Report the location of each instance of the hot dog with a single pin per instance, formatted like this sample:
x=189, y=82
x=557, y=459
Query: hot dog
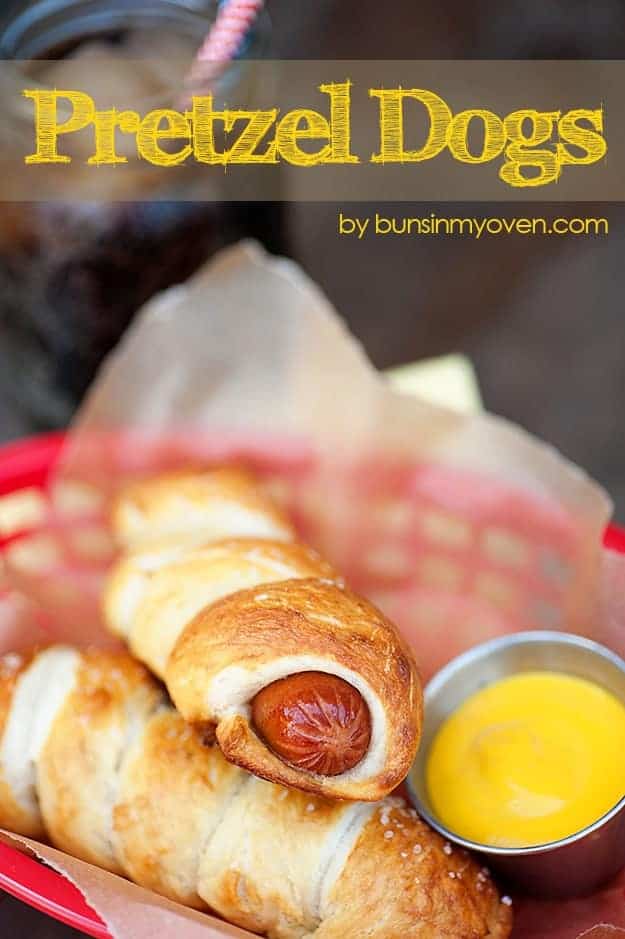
x=315, y=721
x=97, y=762
x=235, y=668
x=259, y=642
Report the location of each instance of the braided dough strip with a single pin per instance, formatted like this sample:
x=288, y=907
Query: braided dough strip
x=253, y=638
x=223, y=621
x=113, y=775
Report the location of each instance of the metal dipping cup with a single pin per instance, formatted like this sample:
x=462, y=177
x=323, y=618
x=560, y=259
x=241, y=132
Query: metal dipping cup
x=587, y=858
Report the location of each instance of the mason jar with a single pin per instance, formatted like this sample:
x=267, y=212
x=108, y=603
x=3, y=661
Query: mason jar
x=73, y=273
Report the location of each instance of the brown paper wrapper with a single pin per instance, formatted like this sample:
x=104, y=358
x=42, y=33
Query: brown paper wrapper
x=130, y=911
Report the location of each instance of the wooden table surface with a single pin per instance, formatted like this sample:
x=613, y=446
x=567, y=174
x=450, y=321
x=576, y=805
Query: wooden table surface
x=542, y=320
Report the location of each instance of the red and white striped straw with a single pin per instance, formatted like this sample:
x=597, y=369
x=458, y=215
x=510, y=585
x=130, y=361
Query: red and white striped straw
x=234, y=21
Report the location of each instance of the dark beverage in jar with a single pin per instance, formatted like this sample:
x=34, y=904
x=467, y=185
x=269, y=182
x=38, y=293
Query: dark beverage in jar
x=73, y=273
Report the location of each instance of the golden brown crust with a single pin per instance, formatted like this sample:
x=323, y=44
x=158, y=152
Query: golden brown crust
x=13, y=816
x=124, y=783
x=154, y=591
x=207, y=618
x=287, y=623
x=290, y=866
x=264, y=867
x=171, y=797
x=78, y=765
x=221, y=502
x=409, y=882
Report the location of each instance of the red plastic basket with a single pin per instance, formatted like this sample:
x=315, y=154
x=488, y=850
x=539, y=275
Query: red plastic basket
x=23, y=464
x=29, y=463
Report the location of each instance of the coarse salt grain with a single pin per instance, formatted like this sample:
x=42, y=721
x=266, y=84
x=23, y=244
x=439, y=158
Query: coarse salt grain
x=310, y=807
x=417, y=849
x=404, y=854
x=388, y=834
x=507, y=901
x=447, y=848
x=452, y=875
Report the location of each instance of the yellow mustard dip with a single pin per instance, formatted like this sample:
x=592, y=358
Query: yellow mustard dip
x=529, y=759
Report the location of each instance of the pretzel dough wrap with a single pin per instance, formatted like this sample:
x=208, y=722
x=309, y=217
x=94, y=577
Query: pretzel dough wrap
x=155, y=591
x=325, y=699
x=20, y=808
x=236, y=648
x=108, y=771
x=217, y=503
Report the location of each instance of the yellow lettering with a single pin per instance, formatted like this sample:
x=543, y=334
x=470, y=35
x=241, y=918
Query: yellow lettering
x=245, y=147
x=458, y=133
x=164, y=125
x=591, y=141
x=303, y=125
x=47, y=126
x=534, y=153
x=392, y=125
x=203, y=118
x=106, y=123
x=340, y=122
x=526, y=150
x=258, y=125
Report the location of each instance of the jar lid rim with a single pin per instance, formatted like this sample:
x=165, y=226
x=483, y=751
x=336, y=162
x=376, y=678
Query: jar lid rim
x=28, y=32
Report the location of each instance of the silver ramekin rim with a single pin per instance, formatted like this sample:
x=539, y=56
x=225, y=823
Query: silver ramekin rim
x=480, y=652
